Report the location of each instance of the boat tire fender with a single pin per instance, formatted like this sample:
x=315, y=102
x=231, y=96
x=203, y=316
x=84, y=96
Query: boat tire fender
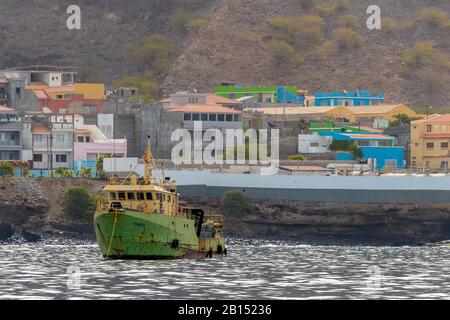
x=175, y=244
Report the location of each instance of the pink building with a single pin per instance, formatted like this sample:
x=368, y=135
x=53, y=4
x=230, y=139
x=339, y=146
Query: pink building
x=90, y=143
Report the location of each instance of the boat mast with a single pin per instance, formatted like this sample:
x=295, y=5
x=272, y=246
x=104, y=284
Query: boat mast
x=148, y=160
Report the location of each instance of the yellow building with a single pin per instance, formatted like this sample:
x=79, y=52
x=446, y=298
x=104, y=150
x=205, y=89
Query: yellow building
x=430, y=140
x=352, y=114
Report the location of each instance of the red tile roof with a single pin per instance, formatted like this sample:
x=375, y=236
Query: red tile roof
x=215, y=99
x=41, y=94
x=206, y=108
x=6, y=108
x=437, y=118
x=445, y=118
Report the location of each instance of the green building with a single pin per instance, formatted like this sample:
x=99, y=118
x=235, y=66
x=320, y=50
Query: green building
x=262, y=94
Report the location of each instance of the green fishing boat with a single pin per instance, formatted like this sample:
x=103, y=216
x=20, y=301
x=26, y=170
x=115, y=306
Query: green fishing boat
x=139, y=218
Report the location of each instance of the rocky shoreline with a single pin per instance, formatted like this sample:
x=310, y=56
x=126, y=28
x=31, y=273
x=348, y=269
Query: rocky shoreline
x=31, y=211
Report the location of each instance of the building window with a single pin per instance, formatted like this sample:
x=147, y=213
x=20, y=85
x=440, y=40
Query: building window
x=18, y=91
x=444, y=165
x=314, y=144
x=149, y=196
x=131, y=196
x=195, y=117
x=444, y=145
x=187, y=117
x=237, y=117
x=112, y=196
x=427, y=164
x=391, y=163
x=193, y=100
x=140, y=196
x=204, y=117
x=37, y=157
x=213, y=117
x=80, y=139
x=430, y=145
x=429, y=128
x=121, y=195
x=221, y=117
x=229, y=117
x=61, y=158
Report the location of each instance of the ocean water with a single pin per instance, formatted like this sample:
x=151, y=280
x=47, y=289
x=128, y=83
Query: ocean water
x=252, y=270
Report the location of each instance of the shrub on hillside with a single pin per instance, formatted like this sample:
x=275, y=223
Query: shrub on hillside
x=180, y=19
x=324, y=51
x=78, y=204
x=347, y=38
x=388, y=25
x=153, y=55
x=434, y=17
x=235, y=203
x=425, y=54
x=282, y=52
x=294, y=29
x=348, y=21
x=196, y=23
x=325, y=9
x=342, y=5
x=306, y=4
x=148, y=88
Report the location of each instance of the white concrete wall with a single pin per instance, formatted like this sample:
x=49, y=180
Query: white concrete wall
x=305, y=143
x=106, y=124
x=195, y=177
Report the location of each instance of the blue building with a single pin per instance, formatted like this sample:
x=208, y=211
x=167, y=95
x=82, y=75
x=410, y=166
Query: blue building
x=373, y=146
x=286, y=95
x=347, y=98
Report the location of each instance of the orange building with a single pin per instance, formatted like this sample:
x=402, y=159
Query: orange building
x=430, y=140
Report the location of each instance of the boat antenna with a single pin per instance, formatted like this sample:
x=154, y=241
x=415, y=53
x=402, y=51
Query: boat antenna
x=148, y=161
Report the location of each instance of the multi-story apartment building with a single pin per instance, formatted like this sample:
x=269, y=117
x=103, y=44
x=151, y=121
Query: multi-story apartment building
x=10, y=134
x=50, y=88
x=430, y=140
x=48, y=140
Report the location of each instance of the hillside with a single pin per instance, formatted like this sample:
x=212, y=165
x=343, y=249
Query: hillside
x=213, y=41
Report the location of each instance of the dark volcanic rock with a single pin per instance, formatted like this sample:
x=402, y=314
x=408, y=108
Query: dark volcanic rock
x=30, y=236
x=6, y=231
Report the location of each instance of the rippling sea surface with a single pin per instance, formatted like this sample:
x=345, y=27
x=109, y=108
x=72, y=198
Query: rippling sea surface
x=252, y=270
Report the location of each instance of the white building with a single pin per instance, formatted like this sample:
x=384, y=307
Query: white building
x=313, y=143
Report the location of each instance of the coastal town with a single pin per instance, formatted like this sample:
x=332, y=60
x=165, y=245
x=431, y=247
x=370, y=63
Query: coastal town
x=53, y=125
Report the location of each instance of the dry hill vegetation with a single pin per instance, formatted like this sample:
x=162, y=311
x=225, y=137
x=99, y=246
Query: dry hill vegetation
x=167, y=45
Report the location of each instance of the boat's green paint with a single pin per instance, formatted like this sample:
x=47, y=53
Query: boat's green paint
x=152, y=236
